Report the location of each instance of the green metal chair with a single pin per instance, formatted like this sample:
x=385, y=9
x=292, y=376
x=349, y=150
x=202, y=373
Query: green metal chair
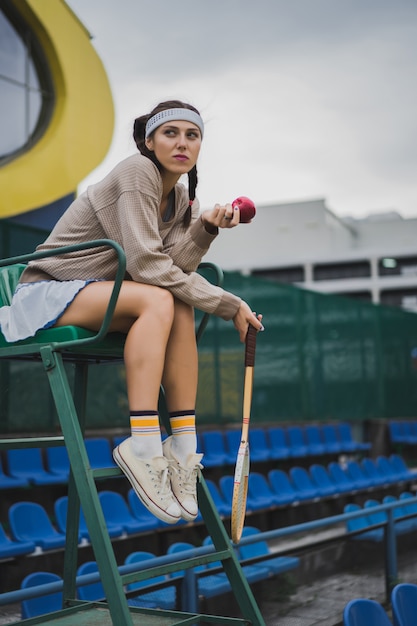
x=52, y=348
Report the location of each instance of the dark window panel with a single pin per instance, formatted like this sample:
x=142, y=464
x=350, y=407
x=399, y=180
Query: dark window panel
x=337, y=271
x=293, y=274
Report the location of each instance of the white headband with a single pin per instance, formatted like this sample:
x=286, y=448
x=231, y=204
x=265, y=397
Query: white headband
x=173, y=114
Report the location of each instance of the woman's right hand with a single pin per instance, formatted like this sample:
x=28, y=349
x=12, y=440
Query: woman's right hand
x=243, y=318
x=221, y=216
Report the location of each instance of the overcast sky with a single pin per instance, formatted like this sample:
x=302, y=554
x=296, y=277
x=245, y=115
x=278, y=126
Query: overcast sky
x=301, y=99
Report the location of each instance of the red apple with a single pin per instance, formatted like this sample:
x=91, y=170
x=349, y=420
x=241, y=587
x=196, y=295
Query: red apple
x=246, y=207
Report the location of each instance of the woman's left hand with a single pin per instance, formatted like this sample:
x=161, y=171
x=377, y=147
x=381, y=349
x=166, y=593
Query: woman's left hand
x=221, y=216
x=244, y=317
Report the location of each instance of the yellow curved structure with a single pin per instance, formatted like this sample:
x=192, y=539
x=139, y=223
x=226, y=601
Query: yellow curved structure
x=81, y=128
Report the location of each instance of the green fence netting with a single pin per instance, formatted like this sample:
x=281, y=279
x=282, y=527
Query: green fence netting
x=321, y=357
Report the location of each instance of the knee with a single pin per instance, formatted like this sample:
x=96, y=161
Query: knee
x=162, y=304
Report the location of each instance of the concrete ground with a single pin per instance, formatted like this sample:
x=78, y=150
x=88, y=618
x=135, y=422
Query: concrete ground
x=321, y=602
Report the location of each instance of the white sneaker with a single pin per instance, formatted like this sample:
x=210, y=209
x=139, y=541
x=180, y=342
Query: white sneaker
x=150, y=480
x=183, y=480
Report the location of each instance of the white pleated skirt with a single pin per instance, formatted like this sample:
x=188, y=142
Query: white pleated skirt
x=36, y=306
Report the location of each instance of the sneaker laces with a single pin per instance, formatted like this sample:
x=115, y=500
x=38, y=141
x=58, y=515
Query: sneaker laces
x=187, y=476
x=160, y=476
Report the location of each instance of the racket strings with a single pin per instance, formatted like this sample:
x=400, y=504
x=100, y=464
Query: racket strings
x=240, y=491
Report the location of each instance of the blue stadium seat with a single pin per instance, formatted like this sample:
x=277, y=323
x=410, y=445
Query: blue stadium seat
x=284, y=489
x=392, y=475
x=346, y=484
x=398, y=434
x=224, y=508
x=404, y=603
x=401, y=525
x=278, y=443
x=275, y=565
x=409, y=507
x=349, y=444
x=321, y=478
x=260, y=491
x=305, y=487
x=258, y=444
x=30, y=522
x=33, y=607
x=117, y=513
x=233, y=438
x=362, y=523
x=27, y=464
x=8, y=482
x=364, y=612
x=409, y=434
x=208, y=586
x=314, y=440
x=395, y=433
x=253, y=573
x=413, y=428
x=375, y=517
x=214, y=449
x=344, y=435
x=9, y=548
x=356, y=473
x=92, y=591
x=99, y=452
x=400, y=468
x=61, y=510
x=147, y=520
x=371, y=469
x=57, y=461
x=297, y=443
x=164, y=598
x=331, y=439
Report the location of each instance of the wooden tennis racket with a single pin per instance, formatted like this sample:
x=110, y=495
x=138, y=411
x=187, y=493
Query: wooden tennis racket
x=240, y=485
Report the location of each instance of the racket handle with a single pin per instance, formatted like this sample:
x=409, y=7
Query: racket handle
x=250, y=346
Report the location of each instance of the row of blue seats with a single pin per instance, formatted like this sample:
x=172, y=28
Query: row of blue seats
x=164, y=598
x=34, y=466
x=372, y=517
x=32, y=530
x=367, y=612
x=403, y=432
x=31, y=527
x=279, y=443
x=51, y=466
x=301, y=484
x=266, y=566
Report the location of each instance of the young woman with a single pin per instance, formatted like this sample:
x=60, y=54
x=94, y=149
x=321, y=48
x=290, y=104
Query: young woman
x=141, y=205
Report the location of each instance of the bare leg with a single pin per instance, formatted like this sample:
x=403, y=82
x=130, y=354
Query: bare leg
x=146, y=314
x=180, y=375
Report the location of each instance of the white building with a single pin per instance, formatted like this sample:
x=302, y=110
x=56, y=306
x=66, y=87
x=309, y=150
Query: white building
x=306, y=244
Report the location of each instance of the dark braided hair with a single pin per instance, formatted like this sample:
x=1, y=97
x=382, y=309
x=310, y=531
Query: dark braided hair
x=139, y=137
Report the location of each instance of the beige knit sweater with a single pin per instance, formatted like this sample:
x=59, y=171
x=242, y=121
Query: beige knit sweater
x=124, y=207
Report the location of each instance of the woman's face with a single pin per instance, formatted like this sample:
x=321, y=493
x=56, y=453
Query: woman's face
x=176, y=145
